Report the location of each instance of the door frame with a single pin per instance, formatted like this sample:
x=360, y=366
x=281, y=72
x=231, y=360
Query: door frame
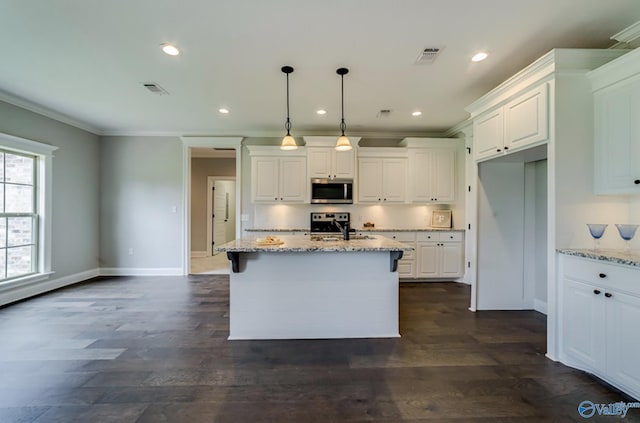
x=208, y=142
x=210, y=182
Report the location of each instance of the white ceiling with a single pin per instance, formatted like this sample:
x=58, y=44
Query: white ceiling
x=86, y=60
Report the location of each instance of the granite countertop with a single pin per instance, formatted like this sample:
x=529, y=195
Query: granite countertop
x=357, y=229
x=613, y=256
x=301, y=244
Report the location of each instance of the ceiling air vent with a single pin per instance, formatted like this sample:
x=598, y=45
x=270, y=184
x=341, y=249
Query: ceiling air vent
x=155, y=88
x=384, y=113
x=428, y=55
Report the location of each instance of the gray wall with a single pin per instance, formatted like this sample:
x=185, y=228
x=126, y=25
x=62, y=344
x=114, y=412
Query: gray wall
x=75, y=236
x=201, y=168
x=141, y=202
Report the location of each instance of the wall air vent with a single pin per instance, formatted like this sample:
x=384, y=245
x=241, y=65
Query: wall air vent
x=428, y=55
x=155, y=88
x=384, y=113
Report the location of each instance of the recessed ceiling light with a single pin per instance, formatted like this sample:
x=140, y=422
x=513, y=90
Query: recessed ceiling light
x=321, y=112
x=170, y=49
x=479, y=57
x=223, y=110
x=416, y=113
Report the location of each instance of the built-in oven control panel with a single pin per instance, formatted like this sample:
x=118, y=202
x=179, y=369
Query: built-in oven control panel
x=323, y=221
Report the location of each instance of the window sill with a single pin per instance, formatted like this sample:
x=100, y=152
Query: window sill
x=24, y=281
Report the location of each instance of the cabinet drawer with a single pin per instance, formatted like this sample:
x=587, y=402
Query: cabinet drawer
x=439, y=236
x=601, y=273
x=409, y=255
x=405, y=268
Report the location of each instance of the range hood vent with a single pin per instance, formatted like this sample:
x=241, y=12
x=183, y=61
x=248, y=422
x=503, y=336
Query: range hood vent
x=155, y=88
x=428, y=55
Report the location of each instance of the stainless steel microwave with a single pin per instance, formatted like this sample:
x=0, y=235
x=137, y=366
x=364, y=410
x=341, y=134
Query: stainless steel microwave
x=331, y=191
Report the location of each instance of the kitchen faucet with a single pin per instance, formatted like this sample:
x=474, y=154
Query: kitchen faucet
x=343, y=228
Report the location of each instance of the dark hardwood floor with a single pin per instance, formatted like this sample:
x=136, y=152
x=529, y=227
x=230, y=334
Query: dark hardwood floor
x=155, y=350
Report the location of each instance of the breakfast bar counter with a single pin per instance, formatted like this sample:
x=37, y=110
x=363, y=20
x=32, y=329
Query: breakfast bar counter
x=305, y=288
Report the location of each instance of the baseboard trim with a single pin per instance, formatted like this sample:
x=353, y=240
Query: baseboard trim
x=138, y=271
x=540, y=306
x=199, y=254
x=21, y=292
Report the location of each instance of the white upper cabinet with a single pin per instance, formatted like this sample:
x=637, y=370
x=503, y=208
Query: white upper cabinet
x=382, y=175
x=617, y=125
x=526, y=119
x=432, y=173
x=278, y=177
x=520, y=123
x=326, y=162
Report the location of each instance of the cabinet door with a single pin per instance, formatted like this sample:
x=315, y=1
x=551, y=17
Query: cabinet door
x=319, y=161
x=265, y=181
x=427, y=256
x=421, y=169
x=617, y=139
x=525, y=119
x=583, y=323
x=451, y=259
x=488, y=134
x=622, y=341
x=369, y=180
x=394, y=180
x=343, y=164
x=443, y=177
x=293, y=181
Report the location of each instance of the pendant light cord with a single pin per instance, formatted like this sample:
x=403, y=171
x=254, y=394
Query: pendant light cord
x=287, y=125
x=343, y=125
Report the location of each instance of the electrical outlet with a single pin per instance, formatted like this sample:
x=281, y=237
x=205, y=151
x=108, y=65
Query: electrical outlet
x=130, y=251
x=244, y=217
x=174, y=209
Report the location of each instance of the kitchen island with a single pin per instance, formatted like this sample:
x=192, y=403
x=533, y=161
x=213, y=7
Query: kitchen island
x=306, y=288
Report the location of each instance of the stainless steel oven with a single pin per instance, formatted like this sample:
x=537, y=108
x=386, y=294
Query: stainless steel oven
x=331, y=191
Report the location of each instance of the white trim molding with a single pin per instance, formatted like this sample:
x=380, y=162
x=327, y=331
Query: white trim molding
x=540, y=306
x=17, y=291
x=139, y=271
x=199, y=254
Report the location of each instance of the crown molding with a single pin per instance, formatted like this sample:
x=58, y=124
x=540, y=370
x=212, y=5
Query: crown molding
x=629, y=34
x=47, y=112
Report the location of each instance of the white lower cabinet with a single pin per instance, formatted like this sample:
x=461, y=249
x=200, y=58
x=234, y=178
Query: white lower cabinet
x=439, y=254
x=600, y=308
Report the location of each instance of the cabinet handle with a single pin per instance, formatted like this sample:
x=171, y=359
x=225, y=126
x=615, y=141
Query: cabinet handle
x=608, y=294
x=379, y=199
x=280, y=198
x=596, y=291
x=498, y=150
x=275, y=198
x=637, y=182
x=602, y=275
x=506, y=148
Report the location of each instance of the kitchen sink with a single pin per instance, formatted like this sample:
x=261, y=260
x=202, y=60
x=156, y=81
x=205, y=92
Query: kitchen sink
x=329, y=238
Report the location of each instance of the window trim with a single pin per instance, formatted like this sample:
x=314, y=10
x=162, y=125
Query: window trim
x=44, y=188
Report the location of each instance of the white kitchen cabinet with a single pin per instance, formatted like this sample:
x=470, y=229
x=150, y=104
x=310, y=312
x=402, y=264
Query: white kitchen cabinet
x=326, y=162
x=600, y=308
x=617, y=127
x=382, y=180
x=439, y=254
x=518, y=124
x=432, y=174
x=278, y=179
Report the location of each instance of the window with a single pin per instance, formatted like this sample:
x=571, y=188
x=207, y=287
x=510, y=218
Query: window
x=18, y=215
x=25, y=211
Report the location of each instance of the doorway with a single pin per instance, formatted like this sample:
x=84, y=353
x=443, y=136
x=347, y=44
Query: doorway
x=212, y=213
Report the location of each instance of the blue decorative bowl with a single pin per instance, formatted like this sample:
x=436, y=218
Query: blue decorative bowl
x=596, y=229
x=627, y=231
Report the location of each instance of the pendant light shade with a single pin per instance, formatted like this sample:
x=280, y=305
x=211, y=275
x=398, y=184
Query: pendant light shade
x=343, y=143
x=288, y=143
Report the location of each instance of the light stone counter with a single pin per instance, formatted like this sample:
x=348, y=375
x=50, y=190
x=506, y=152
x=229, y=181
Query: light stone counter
x=306, y=230
x=304, y=244
x=612, y=256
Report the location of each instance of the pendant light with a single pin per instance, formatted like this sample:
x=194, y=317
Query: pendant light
x=343, y=143
x=288, y=143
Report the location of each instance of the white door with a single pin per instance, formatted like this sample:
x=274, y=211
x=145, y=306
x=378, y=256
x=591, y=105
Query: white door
x=394, y=174
x=220, y=212
x=488, y=134
x=428, y=259
x=369, y=180
x=451, y=262
x=293, y=179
